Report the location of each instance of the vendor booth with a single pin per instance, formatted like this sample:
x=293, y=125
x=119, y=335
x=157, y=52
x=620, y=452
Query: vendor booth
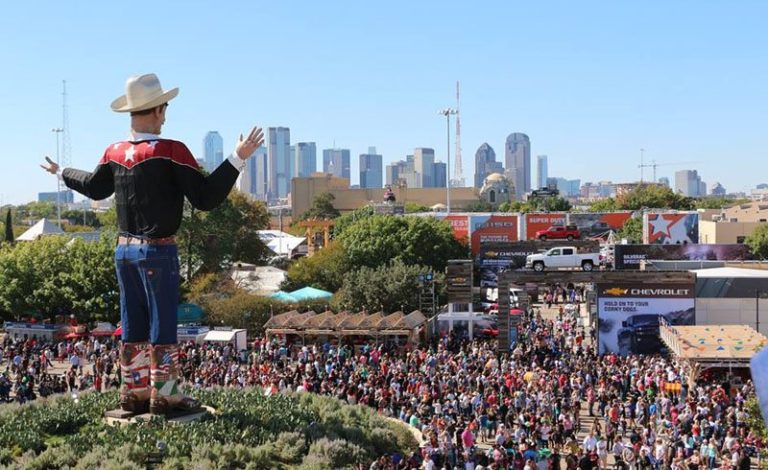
x=41, y=331
x=356, y=328
x=730, y=346
x=237, y=337
x=195, y=334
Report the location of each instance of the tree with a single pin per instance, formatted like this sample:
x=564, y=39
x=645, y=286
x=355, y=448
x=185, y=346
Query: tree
x=411, y=207
x=389, y=287
x=604, y=205
x=87, y=218
x=212, y=241
x=516, y=206
x=758, y=241
x=379, y=239
x=36, y=210
x=346, y=220
x=632, y=229
x=552, y=204
x=58, y=276
x=8, y=227
x=108, y=218
x=323, y=270
x=322, y=208
x=653, y=197
x=479, y=206
x=717, y=202
x=240, y=310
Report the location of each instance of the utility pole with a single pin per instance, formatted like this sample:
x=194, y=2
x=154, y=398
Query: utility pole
x=642, y=164
x=447, y=112
x=457, y=167
x=57, y=131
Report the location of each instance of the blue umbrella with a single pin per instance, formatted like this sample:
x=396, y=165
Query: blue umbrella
x=283, y=297
x=310, y=293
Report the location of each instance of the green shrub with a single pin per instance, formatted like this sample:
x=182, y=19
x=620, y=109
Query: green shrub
x=333, y=454
x=249, y=430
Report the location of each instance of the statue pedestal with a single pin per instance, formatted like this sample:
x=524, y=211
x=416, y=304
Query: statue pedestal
x=119, y=416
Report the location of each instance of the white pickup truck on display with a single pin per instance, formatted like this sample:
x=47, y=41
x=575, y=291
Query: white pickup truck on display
x=563, y=257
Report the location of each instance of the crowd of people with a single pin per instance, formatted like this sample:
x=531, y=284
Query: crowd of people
x=32, y=367
x=552, y=403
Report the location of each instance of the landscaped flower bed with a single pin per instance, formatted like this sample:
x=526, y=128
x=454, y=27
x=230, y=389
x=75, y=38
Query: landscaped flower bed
x=248, y=430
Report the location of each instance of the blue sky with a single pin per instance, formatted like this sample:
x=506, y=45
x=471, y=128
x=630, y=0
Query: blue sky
x=590, y=82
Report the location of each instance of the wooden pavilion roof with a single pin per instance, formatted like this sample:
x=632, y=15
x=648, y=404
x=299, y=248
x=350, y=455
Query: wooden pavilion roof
x=345, y=321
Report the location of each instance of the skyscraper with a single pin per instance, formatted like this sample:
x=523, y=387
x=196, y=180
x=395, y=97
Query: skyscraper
x=439, y=175
x=337, y=162
x=259, y=170
x=517, y=161
x=279, y=162
x=248, y=182
x=306, y=159
x=485, y=164
x=394, y=171
x=370, y=169
x=688, y=183
x=424, y=167
x=541, y=172
x=213, y=150
x=718, y=190
x=567, y=188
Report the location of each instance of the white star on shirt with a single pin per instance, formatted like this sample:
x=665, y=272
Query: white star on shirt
x=152, y=144
x=116, y=146
x=660, y=226
x=129, y=154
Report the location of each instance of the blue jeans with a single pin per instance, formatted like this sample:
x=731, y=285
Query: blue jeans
x=148, y=276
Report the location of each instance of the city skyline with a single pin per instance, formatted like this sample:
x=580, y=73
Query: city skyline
x=301, y=161
x=589, y=94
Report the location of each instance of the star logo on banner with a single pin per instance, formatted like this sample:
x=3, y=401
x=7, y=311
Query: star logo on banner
x=660, y=226
x=129, y=154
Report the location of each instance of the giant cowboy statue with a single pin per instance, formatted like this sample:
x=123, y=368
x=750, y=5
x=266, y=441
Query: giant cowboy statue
x=150, y=177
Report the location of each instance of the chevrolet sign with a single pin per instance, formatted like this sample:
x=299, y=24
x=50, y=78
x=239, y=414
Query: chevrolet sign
x=661, y=292
x=655, y=290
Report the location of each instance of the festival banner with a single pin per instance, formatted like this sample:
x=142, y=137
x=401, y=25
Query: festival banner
x=598, y=224
x=671, y=229
x=542, y=221
x=494, y=258
x=460, y=226
x=492, y=228
x=631, y=256
x=629, y=314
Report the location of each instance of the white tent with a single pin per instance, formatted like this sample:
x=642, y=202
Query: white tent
x=281, y=243
x=42, y=227
x=235, y=336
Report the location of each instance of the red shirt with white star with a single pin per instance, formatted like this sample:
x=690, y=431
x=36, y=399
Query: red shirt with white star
x=150, y=178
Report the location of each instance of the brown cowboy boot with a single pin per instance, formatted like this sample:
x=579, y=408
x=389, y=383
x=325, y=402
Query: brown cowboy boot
x=134, y=370
x=165, y=395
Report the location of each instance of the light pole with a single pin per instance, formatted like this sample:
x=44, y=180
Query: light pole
x=57, y=131
x=447, y=113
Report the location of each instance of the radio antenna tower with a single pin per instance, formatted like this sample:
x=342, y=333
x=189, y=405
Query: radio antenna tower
x=66, y=144
x=458, y=176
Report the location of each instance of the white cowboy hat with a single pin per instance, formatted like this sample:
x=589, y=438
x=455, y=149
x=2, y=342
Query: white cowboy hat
x=143, y=92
